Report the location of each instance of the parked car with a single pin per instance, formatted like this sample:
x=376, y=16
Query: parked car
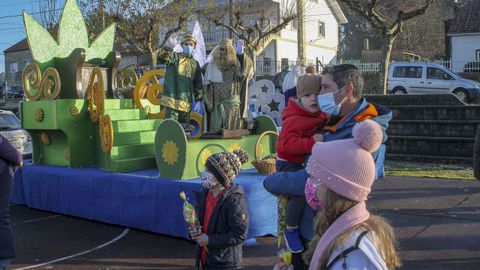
x=13, y=92
x=11, y=129
x=429, y=78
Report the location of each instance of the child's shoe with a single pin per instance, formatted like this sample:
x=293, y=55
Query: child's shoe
x=293, y=241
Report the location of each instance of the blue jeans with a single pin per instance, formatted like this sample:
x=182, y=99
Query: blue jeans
x=4, y=263
x=295, y=204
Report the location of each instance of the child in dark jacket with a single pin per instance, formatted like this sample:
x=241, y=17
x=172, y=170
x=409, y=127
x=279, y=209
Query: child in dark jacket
x=301, y=119
x=222, y=210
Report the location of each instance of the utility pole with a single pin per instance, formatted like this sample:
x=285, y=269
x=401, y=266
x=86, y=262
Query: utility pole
x=301, y=34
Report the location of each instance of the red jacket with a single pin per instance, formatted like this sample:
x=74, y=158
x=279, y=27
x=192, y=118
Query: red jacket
x=298, y=127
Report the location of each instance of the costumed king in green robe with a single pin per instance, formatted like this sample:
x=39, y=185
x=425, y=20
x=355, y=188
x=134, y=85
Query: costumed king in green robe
x=183, y=80
x=226, y=86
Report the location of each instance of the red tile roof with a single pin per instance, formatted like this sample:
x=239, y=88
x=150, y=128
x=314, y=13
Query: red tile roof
x=466, y=18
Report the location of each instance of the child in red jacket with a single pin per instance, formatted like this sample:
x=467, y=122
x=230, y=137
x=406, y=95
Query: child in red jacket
x=301, y=119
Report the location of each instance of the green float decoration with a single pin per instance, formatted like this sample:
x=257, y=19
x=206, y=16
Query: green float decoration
x=71, y=57
x=179, y=158
x=75, y=120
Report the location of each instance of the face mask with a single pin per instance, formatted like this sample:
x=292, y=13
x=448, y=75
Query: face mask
x=326, y=102
x=311, y=196
x=188, y=50
x=208, y=180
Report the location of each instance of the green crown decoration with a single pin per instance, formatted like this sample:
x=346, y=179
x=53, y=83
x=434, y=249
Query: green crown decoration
x=68, y=56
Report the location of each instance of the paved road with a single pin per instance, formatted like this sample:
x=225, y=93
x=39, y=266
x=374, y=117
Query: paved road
x=437, y=224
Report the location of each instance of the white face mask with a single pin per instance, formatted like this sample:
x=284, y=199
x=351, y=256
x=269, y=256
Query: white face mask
x=326, y=102
x=208, y=180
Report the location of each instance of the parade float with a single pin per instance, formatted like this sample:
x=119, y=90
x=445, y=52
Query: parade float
x=102, y=149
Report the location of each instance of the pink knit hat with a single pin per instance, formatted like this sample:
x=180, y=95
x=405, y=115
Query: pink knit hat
x=347, y=166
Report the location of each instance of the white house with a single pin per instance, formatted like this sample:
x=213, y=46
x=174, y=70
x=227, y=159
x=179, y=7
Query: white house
x=464, y=33
x=322, y=20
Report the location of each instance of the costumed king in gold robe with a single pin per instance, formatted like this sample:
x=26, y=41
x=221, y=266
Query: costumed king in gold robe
x=226, y=86
x=183, y=80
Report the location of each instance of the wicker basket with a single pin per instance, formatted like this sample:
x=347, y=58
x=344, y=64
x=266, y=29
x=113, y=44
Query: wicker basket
x=265, y=165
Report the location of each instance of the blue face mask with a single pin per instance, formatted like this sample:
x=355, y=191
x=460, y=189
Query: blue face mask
x=188, y=50
x=326, y=102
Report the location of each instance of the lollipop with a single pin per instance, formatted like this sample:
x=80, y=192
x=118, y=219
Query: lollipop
x=189, y=213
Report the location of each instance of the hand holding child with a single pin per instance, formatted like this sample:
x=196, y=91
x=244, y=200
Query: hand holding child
x=318, y=137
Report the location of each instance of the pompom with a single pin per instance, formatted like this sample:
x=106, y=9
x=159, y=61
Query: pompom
x=241, y=154
x=368, y=135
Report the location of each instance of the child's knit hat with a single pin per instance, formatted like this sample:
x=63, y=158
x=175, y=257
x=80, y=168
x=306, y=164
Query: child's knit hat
x=226, y=165
x=347, y=166
x=308, y=84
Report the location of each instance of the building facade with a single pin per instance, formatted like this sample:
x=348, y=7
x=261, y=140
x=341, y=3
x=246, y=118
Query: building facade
x=17, y=58
x=464, y=35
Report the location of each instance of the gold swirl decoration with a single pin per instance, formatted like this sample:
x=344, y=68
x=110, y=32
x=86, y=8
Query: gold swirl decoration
x=95, y=94
x=34, y=84
x=126, y=81
x=106, y=133
x=148, y=85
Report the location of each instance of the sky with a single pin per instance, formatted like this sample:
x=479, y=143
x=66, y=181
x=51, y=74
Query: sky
x=11, y=23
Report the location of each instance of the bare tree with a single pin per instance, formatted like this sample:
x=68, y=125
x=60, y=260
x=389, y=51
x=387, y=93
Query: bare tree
x=425, y=35
x=49, y=14
x=388, y=17
x=139, y=21
x=254, y=21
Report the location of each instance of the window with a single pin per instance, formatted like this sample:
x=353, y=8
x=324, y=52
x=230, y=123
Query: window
x=321, y=29
x=437, y=74
x=477, y=55
x=407, y=72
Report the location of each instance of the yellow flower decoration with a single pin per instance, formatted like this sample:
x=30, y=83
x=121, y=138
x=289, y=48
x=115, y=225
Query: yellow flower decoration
x=234, y=146
x=206, y=153
x=170, y=152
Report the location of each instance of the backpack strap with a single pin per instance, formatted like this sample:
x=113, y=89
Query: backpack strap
x=343, y=254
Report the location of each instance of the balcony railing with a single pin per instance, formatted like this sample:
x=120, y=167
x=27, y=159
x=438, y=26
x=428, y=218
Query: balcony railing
x=214, y=36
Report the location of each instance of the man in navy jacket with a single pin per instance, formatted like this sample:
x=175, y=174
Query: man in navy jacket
x=346, y=108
